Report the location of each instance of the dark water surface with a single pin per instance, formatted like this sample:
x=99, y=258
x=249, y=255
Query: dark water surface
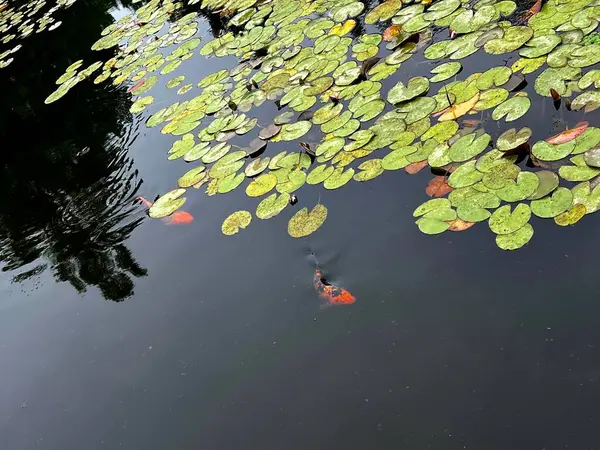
x=217, y=342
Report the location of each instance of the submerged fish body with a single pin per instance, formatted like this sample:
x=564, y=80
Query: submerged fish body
x=333, y=295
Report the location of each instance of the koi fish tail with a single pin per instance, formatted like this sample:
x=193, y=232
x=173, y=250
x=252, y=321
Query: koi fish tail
x=146, y=203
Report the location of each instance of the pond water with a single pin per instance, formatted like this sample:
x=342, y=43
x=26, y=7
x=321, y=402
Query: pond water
x=121, y=331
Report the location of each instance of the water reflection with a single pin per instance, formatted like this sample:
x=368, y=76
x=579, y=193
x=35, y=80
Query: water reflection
x=67, y=183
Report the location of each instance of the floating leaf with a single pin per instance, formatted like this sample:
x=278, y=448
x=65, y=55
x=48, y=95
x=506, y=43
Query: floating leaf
x=460, y=109
x=191, y=177
x=568, y=135
x=233, y=223
x=438, y=187
x=515, y=240
x=548, y=152
x=401, y=93
x=292, y=131
x=319, y=174
x=460, y=225
x=415, y=167
x=512, y=138
x=468, y=146
x=525, y=185
x=261, y=185
x=272, y=205
x=432, y=226
x=503, y=221
x=304, y=223
x=465, y=175
x=547, y=182
x=369, y=170
x=571, y=216
x=338, y=178
x=557, y=203
x=445, y=71
x=512, y=109
x=167, y=204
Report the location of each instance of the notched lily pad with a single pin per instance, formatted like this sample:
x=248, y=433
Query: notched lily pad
x=304, y=223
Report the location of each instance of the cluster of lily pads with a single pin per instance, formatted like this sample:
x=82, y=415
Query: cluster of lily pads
x=301, y=55
x=17, y=23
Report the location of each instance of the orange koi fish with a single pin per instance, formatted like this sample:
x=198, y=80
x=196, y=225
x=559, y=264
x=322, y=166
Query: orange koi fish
x=334, y=295
x=177, y=218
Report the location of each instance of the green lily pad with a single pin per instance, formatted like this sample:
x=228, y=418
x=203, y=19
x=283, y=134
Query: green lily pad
x=472, y=213
x=586, y=141
x=441, y=131
x=512, y=109
x=514, y=37
x=236, y=221
x=319, y=174
x=557, y=79
x=557, y=203
x=304, y=223
x=540, y=45
x=272, y=205
x=547, y=182
x=465, y=175
x=578, y=173
x=192, y=177
x=589, y=100
x=292, y=131
x=400, y=93
x=551, y=152
x=515, y=240
x=261, y=185
x=230, y=182
x=432, y=205
x=338, y=178
x=503, y=221
x=295, y=179
x=216, y=153
x=167, y=204
x=500, y=174
x=494, y=77
x=445, y=71
x=512, y=138
x=468, y=146
x=432, y=226
x=525, y=185
x=584, y=195
x=369, y=170
x=257, y=166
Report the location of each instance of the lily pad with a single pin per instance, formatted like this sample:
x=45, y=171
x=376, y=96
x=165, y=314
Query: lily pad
x=400, y=93
x=512, y=109
x=445, y=71
x=261, y=185
x=338, y=178
x=236, y=221
x=272, y=205
x=465, y=175
x=512, y=138
x=304, y=223
x=557, y=203
x=525, y=185
x=167, y=204
x=503, y=221
x=573, y=215
x=515, y=240
x=547, y=182
x=468, y=146
x=292, y=131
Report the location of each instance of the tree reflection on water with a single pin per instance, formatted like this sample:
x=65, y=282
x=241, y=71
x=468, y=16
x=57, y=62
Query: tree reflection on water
x=67, y=183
